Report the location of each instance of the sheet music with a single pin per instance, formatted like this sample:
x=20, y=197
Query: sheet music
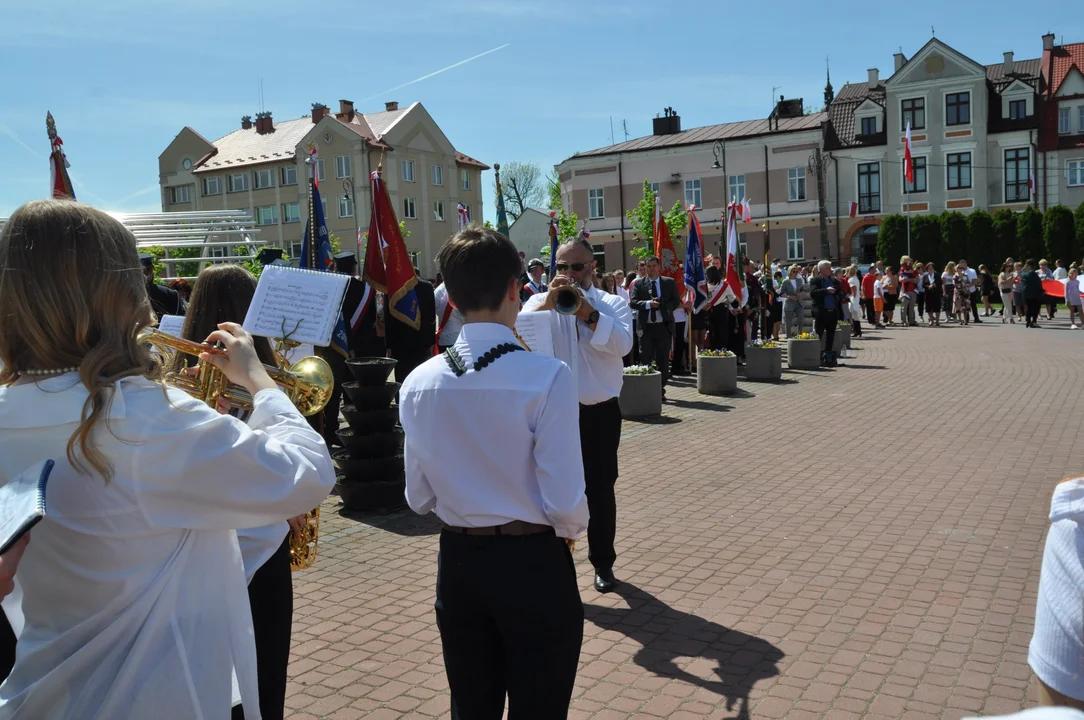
x=171, y=324
x=536, y=330
x=306, y=303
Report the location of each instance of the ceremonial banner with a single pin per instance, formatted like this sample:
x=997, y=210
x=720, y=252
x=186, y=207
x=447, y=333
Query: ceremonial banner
x=908, y=165
x=387, y=263
x=735, y=275
x=553, y=245
x=664, y=250
x=502, y=217
x=694, y=264
x=59, y=183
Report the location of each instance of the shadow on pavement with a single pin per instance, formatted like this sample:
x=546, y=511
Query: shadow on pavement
x=666, y=634
x=401, y=520
x=653, y=420
x=704, y=405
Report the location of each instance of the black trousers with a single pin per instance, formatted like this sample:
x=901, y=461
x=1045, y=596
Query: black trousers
x=871, y=314
x=7, y=647
x=407, y=360
x=976, y=298
x=920, y=301
x=681, y=346
x=511, y=622
x=330, y=413
x=1031, y=309
x=271, y=598
x=600, y=436
x=655, y=344
x=824, y=324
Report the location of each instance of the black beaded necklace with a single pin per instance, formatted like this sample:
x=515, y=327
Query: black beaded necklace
x=455, y=362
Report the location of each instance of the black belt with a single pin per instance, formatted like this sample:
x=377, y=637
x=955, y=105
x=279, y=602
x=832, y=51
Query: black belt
x=514, y=528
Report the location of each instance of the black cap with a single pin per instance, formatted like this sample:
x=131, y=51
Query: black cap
x=535, y=263
x=344, y=256
x=269, y=255
x=146, y=259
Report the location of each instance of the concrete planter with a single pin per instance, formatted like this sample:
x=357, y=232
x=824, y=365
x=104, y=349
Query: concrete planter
x=844, y=331
x=763, y=363
x=803, y=354
x=641, y=395
x=716, y=375
x=839, y=339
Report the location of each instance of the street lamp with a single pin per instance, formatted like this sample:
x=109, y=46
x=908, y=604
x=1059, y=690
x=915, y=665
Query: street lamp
x=348, y=186
x=718, y=149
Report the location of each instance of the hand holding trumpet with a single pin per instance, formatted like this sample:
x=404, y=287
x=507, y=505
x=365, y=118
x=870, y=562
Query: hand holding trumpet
x=557, y=299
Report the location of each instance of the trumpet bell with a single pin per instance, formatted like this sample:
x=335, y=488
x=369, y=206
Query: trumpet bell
x=567, y=300
x=314, y=383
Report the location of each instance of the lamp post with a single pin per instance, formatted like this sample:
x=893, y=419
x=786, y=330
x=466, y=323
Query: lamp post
x=718, y=149
x=348, y=186
x=817, y=165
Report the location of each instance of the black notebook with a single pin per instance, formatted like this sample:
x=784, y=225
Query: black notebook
x=22, y=503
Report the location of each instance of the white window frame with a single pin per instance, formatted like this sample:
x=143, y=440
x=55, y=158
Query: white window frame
x=179, y=194
x=795, y=241
x=1080, y=119
x=436, y=175
x=596, y=203
x=258, y=177
x=262, y=219
x=796, y=189
x=736, y=188
x=743, y=246
x=410, y=208
x=694, y=193
x=342, y=167
x=295, y=250
x=288, y=175
x=438, y=211
x=286, y=207
x=207, y=185
x=1013, y=101
x=656, y=188
x=217, y=252
x=232, y=184
x=406, y=171
x=319, y=169
x=1065, y=123
x=1074, y=173
x=464, y=179
x=346, y=206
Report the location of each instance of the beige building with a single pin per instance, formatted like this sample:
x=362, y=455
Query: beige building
x=260, y=167
x=1062, y=135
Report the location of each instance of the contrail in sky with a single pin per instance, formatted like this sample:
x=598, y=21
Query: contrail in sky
x=438, y=72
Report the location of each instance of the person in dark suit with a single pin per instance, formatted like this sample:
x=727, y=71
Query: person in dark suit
x=408, y=346
x=164, y=300
x=655, y=298
x=827, y=299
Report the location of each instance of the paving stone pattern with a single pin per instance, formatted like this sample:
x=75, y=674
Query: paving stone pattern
x=863, y=542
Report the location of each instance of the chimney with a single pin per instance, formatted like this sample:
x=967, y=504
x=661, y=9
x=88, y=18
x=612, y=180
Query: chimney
x=874, y=77
x=319, y=110
x=1007, y=68
x=1048, y=42
x=668, y=124
x=264, y=124
x=898, y=61
x=391, y=106
x=246, y=122
x=346, y=107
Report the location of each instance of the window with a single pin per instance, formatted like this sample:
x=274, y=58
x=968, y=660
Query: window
x=1064, y=127
x=692, y=192
x=959, y=170
x=407, y=170
x=1017, y=164
x=415, y=258
x=291, y=212
x=1080, y=120
x=323, y=207
x=796, y=184
x=599, y=253
x=319, y=169
x=737, y=187
x=217, y=252
x=958, y=108
x=436, y=172
x=438, y=210
x=918, y=164
x=295, y=250
x=346, y=206
x=464, y=179
x=267, y=215
x=1018, y=109
x=263, y=179
x=342, y=166
x=179, y=194
x=288, y=175
x=212, y=186
x=743, y=245
x=869, y=125
x=869, y=188
x=596, y=206
x=238, y=182
x=410, y=208
x=1076, y=172
x=656, y=188
x=913, y=111
x=795, y=244
x=470, y=214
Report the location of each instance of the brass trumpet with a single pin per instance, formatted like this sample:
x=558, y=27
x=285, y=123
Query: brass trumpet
x=567, y=300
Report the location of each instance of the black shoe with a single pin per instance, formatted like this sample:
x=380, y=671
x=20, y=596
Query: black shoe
x=604, y=580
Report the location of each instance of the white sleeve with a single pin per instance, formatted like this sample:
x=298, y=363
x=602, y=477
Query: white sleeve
x=559, y=467
x=613, y=332
x=194, y=468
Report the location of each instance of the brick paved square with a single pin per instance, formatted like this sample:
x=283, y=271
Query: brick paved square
x=862, y=542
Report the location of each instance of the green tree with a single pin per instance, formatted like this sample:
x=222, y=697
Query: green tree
x=1059, y=234
x=954, y=236
x=642, y=220
x=1004, y=236
x=1079, y=218
x=980, y=240
x=553, y=186
x=1029, y=234
x=892, y=239
x=927, y=232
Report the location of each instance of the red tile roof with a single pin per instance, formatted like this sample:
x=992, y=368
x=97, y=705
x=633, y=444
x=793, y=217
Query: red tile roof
x=461, y=159
x=1065, y=57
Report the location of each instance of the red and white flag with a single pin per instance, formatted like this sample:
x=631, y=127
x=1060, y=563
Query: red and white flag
x=908, y=166
x=746, y=211
x=854, y=209
x=1031, y=180
x=464, y=217
x=733, y=257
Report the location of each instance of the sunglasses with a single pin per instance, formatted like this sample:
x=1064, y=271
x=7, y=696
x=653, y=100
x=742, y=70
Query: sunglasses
x=575, y=267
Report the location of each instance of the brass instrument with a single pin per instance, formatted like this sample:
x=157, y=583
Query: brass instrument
x=308, y=383
x=567, y=299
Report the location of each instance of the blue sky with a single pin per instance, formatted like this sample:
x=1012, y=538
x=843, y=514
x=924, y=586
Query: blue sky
x=122, y=77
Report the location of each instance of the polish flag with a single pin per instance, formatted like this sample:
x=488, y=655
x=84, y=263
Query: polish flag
x=1031, y=181
x=908, y=166
x=854, y=209
x=734, y=273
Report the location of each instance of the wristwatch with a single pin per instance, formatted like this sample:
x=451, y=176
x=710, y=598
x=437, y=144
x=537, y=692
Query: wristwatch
x=593, y=317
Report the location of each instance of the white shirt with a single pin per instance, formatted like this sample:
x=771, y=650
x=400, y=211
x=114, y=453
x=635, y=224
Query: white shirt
x=1061, y=273
x=623, y=293
x=594, y=356
x=450, y=331
x=134, y=600
x=972, y=276
x=878, y=289
x=1057, y=644
x=496, y=444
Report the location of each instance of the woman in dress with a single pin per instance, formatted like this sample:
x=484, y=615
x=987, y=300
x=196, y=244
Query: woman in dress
x=718, y=314
x=988, y=290
x=932, y=282
x=962, y=304
x=948, y=290
x=855, y=284
x=133, y=590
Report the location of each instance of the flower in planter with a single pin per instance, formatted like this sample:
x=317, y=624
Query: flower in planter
x=640, y=369
x=843, y=324
x=805, y=336
x=766, y=344
x=715, y=353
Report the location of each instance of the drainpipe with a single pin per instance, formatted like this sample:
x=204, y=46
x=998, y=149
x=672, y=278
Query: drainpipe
x=767, y=185
x=1035, y=154
x=621, y=207
x=835, y=167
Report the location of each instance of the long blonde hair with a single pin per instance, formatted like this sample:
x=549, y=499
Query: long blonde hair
x=72, y=294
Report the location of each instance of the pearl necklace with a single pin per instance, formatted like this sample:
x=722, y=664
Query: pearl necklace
x=46, y=373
